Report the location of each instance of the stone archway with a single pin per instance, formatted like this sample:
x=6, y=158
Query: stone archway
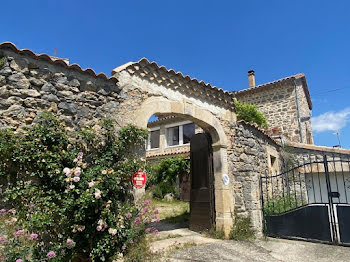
x=224, y=204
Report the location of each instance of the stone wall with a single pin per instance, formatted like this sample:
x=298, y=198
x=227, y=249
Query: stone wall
x=278, y=104
x=304, y=112
x=29, y=86
x=248, y=160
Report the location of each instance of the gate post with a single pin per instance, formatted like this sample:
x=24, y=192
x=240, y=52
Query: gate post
x=330, y=201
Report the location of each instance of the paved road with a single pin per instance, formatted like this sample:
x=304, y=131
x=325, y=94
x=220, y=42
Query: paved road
x=204, y=249
x=272, y=250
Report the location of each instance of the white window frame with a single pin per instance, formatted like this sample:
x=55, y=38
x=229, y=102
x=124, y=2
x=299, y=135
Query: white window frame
x=149, y=138
x=181, y=132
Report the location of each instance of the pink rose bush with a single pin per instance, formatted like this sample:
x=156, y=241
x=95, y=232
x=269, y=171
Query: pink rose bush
x=73, y=197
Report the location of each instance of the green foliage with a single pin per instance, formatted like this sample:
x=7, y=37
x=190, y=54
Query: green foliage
x=77, y=190
x=3, y=60
x=163, y=176
x=216, y=233
x=281, y=204
x=242, y=229
x=168, y=169
x=250, y=114
x=141, y=252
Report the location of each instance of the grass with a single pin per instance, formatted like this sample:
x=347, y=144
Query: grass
x=242, y=229
x=214, y=233
x=172, y=211
x=140, y=251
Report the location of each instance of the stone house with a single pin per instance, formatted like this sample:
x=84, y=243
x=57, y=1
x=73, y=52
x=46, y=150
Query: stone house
x=241, y=153
x=285, y=102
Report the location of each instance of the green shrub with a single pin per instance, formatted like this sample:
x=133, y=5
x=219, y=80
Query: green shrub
x=157, y=192
x=163, y=176
x=281, y=204
x=215, y=233
x=75, y=195
x=242, y=229
x=249, y=113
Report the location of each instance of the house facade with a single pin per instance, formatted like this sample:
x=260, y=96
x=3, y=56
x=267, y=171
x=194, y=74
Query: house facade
x=241, y=152
x=285, y=102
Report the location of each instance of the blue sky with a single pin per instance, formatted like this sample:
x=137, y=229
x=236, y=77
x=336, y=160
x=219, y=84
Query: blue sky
x=214, y=41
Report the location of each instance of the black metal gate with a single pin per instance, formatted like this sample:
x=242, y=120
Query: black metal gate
x=310, y=201
x=202, y=210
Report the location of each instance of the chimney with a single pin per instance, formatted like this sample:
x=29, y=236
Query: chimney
x=251, y=78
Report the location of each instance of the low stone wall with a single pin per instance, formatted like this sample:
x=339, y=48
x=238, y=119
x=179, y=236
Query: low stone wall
x=248, y=161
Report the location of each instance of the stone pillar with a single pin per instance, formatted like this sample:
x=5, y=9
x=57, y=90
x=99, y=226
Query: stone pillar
x=224, y=202
x=162, y=138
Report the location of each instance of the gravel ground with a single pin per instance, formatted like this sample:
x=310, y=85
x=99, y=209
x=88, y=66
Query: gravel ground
x=272, y=250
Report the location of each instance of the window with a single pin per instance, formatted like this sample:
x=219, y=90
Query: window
x=188, y=132
x=173, y=136
x=154, y=139
x=181, y=134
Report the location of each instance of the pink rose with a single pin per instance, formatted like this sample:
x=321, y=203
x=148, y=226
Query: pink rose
x=77, y=172
x=2, y=211
x=137, y=221
x=76, y=179
x=123, y=247
x=98, y=228
x=70, y=243
x=128, y=215
x=3, y=240
x=19, y=260
x=91, y=184
x=97, y=194
x=19, y=232
x=33, y=236
x=147, y=202
x=103, y=143
x=156, y=211
x=51, y=254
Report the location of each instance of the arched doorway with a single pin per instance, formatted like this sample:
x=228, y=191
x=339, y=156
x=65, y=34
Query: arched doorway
x=222, y=197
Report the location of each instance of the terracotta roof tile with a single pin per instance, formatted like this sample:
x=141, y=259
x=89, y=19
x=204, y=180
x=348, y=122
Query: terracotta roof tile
x=170, y=74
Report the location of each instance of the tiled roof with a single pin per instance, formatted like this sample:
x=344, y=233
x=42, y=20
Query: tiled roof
x=164, y=120
x=169, y=77
x=274, y=83
x=180, y=151
x=54, y=60
x=320, y=148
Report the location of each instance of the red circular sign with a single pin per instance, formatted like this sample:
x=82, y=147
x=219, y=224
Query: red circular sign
x=139, y=178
